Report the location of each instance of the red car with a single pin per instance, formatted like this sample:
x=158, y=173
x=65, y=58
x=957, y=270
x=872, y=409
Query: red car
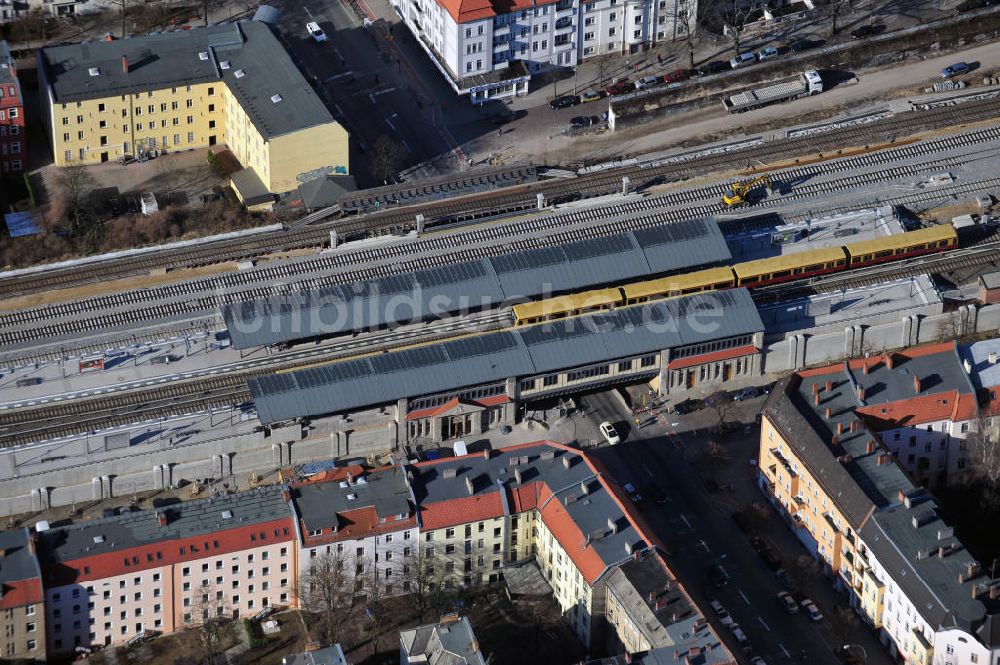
x=677, y=75
x=620, y=87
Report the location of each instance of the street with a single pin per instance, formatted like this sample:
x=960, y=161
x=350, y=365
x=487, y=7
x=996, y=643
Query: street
x=698, y=529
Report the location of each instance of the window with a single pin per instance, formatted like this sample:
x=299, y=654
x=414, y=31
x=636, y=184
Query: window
x=190, y=137
x=188, y=103
x=190, y=120
x=31, y=645
x=611, y=32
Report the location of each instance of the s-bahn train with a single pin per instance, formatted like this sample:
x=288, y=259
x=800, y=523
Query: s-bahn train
x=750, y=274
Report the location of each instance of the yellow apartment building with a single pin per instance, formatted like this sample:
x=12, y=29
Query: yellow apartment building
x=229, y=84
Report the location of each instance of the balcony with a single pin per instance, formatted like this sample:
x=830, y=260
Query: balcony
x=564, y=22
x=563, y=8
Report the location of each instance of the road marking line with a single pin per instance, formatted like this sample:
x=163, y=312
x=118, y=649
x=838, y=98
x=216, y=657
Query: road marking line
x=338, y=76
x=766, y=627
x=743, y=596
x=784, y=650
x=685, y=519
x=702, y=543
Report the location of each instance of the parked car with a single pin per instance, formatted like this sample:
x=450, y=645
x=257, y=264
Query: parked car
x=632, y=492
x=610, y=434
x=767, y=53
x=788, y=602
x=716, y=575
x=564, y=102
x=677, y=75
x=28, y=381
x=721, y=612
x=742, y=59
x=767, y=553
x=757, y=660
x=746, y=393
x=800, y=45
x=646, y=82
x=741, y=637
x=714, y=67
x=687, y=406
x=811, y=610
x=718, y=397
x=619, y=87
x=591, y=96
x=583, y=121
x=956, y=69
x=316, y=32
x=659, y=496
x=867, y=31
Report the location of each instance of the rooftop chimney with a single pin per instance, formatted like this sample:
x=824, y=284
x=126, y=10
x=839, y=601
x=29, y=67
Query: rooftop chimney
x=517, y=476
x=468, y=485
x=612, y=525
x=583, y=488
x=861, y=391
x=474, y=645
x=816, y=399
x=652, y=596
x=829, y=386
x=916, y=384
x=901, y=495
x=854, y=425
x=866, y=368
x=840, y=428
x=486, y=454
x=815, y=388
x=660, y=604
x=940, y=552
x=828, y=413
x=883, y=459
x=870, y=448
x=890, y=361
x=834, y=440
x=161, y=518
x=125, y=64
x=565, y=460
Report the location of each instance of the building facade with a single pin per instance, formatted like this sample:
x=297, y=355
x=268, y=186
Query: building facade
x=489, y=50
x=229, y=84
x=846, y=494
x=162, y=570
x=13, y=147
x=22, y=603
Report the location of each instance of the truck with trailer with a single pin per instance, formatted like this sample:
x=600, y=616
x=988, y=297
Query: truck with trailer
x=805, y=84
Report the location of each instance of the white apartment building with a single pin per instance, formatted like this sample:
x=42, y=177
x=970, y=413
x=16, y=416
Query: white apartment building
x=108, y=580
x=490, y=50
x=364, y=519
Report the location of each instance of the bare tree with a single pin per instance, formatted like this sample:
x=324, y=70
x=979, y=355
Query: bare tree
x=983, y=440
x=386, y=154
x=802, y=570
x=843, y=622
x=721, y=403
x=733, y=16
x=209, y=615
x=421, y=578
x=376, y=611
x=835, y=7
x=325, y=589
x=74, y=183
x=954, y=328
x=170, y=175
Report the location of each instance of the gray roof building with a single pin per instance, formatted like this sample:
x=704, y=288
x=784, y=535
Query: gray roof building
x=17, y=558
x=653, y=599
x=7, y=67
x=472, y=285
x=333, y=655
x=471, y=361
x=450, y=642
x=513, y=480
x=186, y=519
x=246, y=56
x=323, y=505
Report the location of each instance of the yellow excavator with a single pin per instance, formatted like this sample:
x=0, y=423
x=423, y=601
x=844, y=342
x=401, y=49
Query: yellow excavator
x=739, y=195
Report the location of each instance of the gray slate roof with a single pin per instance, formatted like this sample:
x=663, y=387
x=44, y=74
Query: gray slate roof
x=444, y=643
x=7, y=67
x=470, y=361
x=322, y=505
x=200, y=517
x=326, y=656
x=508, y=278
x=171, y=59
x=634, y=581
x=590, y=512
x=929, y=582
x=18, y=562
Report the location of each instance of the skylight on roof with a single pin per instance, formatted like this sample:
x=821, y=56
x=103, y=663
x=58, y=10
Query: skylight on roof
x=98, y=540
x=95, y=71
x=275, y=98
x=224, y=64
x=203, y=55
x=227, y=514
x=240, y=73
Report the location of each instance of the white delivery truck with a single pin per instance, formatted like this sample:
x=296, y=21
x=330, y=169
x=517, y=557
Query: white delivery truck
x=806, y=83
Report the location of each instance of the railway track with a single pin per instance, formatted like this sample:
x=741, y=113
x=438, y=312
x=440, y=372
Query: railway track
x=188, y=299
x=50, y=418
x=490, y=204
x=987, y=253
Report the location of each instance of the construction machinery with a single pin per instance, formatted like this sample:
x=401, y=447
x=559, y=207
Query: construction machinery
x=739, y=194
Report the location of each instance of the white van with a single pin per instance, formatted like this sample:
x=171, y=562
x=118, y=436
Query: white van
x=316, y=32
x=646, y=82
x=742, y=59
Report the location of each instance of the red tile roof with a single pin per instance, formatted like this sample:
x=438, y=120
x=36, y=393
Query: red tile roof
x=873, y=360
x=21, y=592
x=356, y=525
x=333, y=475
x=950, y=405
x=460, y=511
x=713, y=357
x=580, y=551
x=110, y=564
x=465, y=11
x=435, y=411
